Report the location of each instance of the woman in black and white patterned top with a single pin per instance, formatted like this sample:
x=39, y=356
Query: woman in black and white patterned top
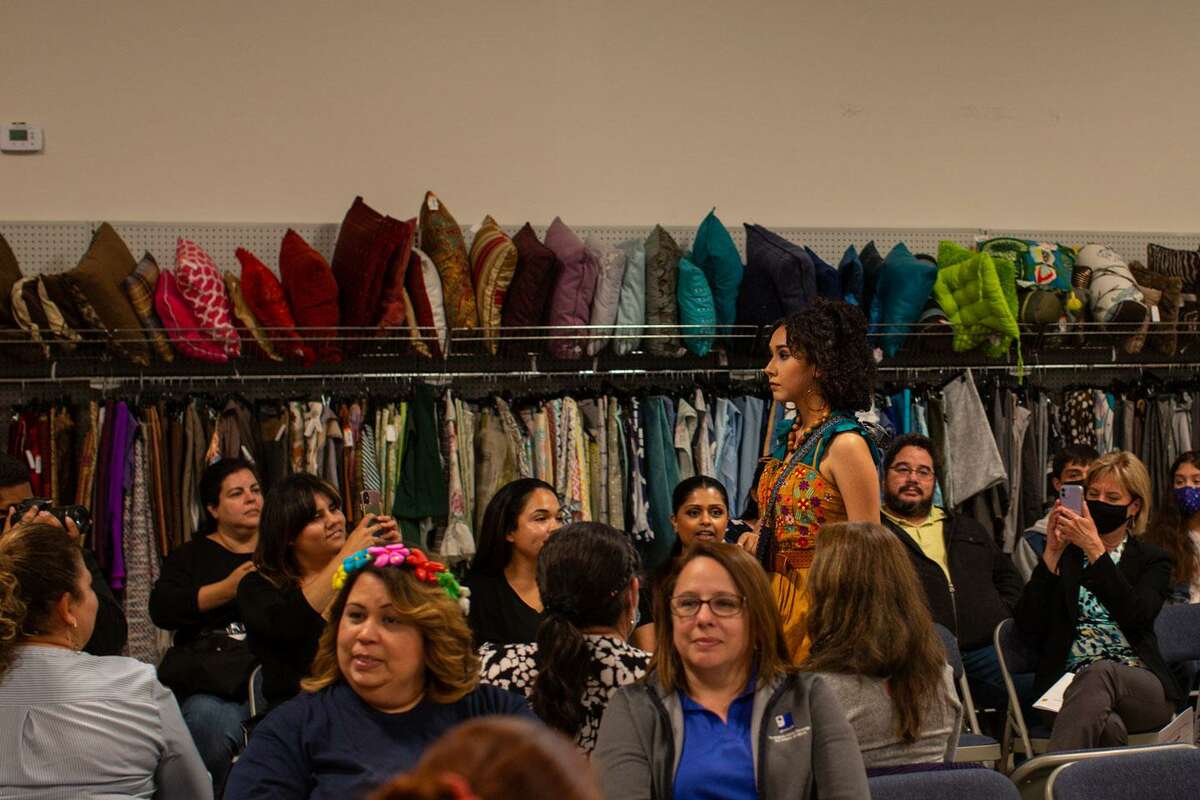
x=587, y=576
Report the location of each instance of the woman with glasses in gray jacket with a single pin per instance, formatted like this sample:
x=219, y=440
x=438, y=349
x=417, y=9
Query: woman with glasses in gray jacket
x=723, y=713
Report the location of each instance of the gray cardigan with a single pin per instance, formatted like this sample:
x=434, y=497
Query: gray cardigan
x=800, y=739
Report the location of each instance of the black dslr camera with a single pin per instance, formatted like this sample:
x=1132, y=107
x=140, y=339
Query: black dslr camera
x=77, y=514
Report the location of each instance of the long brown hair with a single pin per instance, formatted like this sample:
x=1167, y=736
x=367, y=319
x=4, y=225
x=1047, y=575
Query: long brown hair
x=38, y=564
x=287, y=509
x=1169, y=530
x=768, y=650
x=451, y=666
x=868, y=616
x=496, y=758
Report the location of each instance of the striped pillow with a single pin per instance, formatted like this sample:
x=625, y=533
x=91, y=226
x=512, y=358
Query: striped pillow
x=493, y=262
x=139, y=289
x=1185, y=265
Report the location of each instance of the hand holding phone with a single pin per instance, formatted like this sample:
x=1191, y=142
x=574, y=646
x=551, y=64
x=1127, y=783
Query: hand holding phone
x=372, y=504
x=1072, y=497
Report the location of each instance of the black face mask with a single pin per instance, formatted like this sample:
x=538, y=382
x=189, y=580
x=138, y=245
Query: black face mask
x=1108, y=517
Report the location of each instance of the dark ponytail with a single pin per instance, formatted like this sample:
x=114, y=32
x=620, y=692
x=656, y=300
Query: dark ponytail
x=582, y=573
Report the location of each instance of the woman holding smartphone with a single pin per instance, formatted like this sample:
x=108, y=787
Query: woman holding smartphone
x=302, y=540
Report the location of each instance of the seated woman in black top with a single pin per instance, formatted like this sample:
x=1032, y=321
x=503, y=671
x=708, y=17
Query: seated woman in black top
x=1090, y=607
x=302, y=542
x=506, y=606
x=699, y=513
x=194, y=597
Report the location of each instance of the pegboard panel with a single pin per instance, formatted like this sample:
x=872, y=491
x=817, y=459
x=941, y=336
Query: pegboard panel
x=1130, y=244
x=50, y=247
x=45, y=247
x=220, y=240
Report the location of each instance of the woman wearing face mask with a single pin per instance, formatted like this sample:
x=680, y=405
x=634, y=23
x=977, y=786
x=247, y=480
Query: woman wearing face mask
x=1089, y=608
x=723, y=712
x=1176, y=527
x=284, y=603
x=393, y=672
x=507, y=605
x=822, y=365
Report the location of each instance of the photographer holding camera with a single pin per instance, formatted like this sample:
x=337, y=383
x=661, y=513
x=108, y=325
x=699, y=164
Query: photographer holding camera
x=18, y=505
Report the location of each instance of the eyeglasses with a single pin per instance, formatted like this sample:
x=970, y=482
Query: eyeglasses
x=721, y=605
x=904, y=470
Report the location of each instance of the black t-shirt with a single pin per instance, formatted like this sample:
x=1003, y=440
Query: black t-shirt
x=498, y=614
x=175, y=601
x=283, y=631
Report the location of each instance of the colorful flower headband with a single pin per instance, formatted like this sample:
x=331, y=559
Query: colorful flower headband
x=399, y=555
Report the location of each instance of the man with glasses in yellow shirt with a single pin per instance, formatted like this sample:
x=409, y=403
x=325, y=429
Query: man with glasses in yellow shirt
x=970, y=583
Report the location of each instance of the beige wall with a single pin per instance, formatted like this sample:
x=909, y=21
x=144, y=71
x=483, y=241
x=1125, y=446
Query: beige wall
x=921, y=114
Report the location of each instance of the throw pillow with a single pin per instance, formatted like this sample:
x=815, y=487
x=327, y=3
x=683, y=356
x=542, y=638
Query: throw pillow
x=366, y=245
x=96, y=286
x=312, y=295
x=662, y=304
x=201, y=285
x=631, y=307
x=424, y=287
x=442, y=241
x=696, y=308
x=714, y=252
x=248, y=327
x=571, y=302
x=139, y=289
x=611, y=263
x=493, y=262
x=265, y=298
x=181, y=325
x=529, y=293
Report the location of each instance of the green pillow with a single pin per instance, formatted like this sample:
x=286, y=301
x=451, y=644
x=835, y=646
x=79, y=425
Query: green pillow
x=714, y=252
x=696, y=307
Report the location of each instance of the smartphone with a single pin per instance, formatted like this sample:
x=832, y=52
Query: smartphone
x=371, y=504
x=1072, y=497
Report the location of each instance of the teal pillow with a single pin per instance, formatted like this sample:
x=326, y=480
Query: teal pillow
x=905, y=282
x=714, y=252
x=631, y=305
x=696, y=307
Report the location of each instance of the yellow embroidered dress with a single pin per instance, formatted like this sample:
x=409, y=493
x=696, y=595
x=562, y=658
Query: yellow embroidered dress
x=796, y=502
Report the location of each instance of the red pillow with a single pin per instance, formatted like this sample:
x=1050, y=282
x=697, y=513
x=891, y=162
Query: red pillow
x=392, y=309
x=264, y=295
x=200, y=282
x=367, y=243
x=312, y=294
x=425, y=293
x=181, y=325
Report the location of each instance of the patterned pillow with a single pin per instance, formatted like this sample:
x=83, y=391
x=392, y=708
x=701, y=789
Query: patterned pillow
x=139, y=289
x=1043, y=265
x=1185, y=265
x=248, y=327
x=264, y=296
x=59, y=291
x=367, y=244
x=442, y=241
x=95, y=284
x=181, y=325
x=611, y=262
x=696, y=308
x=312, y=294
x=662, y=282
x=37, y=315
x=425, y=293
x=201, y=285
x=493, y=262
x=571, y=303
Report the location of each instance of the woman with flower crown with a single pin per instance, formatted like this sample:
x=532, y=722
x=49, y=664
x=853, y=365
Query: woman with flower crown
x=284, y=603
x=394, y=670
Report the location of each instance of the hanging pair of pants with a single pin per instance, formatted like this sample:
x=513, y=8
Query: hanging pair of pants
x=1105, y=703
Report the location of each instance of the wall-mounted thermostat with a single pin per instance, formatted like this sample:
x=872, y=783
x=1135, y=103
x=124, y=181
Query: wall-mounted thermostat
x=17, y=137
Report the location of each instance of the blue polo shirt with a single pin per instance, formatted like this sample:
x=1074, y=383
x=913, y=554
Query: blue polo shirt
x=717, y=762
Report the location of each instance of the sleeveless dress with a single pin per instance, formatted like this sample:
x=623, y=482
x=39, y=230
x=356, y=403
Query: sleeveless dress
x=804, y=501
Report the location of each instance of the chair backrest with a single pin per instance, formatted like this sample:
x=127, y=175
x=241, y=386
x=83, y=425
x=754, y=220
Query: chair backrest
x=953, y=656
x=258, y=701
x=1155, y=773
x=1015, y=653
x=950, y=784
x=1177, y=629
x=1032, y=776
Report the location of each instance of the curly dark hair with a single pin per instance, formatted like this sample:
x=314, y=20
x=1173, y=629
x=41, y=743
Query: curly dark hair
x=833, y=335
